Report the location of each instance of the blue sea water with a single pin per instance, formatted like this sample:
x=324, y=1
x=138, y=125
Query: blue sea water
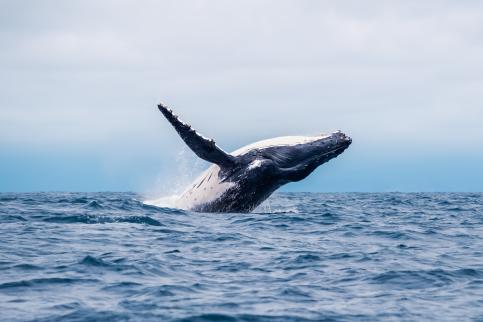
x=298, y=257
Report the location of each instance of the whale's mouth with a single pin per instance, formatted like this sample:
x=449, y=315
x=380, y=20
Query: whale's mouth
x=337, y=150
x=342, y=144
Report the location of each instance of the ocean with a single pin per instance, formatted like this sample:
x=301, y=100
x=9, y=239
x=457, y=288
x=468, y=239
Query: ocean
x=298, y=257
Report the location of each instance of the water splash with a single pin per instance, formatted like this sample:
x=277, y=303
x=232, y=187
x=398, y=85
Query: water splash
x=164, y=202
x=168, y=188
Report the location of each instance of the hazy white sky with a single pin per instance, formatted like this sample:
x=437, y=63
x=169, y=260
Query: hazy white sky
x=402, y=78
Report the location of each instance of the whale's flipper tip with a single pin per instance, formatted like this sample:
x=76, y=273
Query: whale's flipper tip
x=163, y=108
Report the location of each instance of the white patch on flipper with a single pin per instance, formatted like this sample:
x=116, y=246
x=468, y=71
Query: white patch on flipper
x=254, y=164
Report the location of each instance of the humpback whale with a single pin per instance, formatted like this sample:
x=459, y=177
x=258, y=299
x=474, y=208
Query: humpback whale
x=241, y=180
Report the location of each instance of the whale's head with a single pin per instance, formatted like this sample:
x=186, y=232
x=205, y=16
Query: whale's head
x=304, y=154
x=317, y=149
x=325, y=147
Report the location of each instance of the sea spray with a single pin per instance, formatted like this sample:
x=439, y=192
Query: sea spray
x=169, y=185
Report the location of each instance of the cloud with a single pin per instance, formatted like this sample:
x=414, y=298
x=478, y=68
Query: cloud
x=394, y=74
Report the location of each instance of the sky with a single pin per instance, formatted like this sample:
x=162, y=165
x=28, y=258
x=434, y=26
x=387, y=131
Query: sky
x=80, y=81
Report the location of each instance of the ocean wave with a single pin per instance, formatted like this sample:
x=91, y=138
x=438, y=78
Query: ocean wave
x=93, y=219
x=301, y=257
x=47, y=282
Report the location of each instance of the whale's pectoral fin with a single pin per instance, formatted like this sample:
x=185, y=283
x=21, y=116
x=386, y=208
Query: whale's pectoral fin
x=203, y=147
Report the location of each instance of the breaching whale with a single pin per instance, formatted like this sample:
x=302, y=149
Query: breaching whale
x=241, y=180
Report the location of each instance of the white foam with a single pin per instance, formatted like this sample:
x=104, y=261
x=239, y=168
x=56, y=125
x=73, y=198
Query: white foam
x=164, y=202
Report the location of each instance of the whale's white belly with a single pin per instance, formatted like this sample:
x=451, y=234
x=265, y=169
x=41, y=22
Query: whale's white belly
x=205, y=189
